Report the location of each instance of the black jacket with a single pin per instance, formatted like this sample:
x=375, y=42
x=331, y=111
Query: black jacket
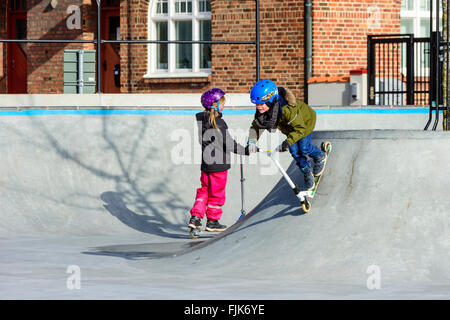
x=217, y=144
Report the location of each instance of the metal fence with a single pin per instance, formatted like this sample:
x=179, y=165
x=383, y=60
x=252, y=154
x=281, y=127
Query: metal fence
x=391, y=71
x=442, y=56
x=399, y=70
x=404, y=70
x=439, y=65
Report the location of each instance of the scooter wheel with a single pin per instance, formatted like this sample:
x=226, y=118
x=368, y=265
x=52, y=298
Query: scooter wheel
x=306, y=206
x=326, y=146
x=194, y=233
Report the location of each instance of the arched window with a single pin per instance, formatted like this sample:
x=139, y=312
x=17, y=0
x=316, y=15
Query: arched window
x=179, y=20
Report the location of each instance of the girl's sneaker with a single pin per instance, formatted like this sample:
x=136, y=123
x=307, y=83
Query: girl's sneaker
x=309, y=178
x=195, y=223
x=214, y=226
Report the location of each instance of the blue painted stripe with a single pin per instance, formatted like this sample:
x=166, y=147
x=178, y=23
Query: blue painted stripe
x=96, y=112
x=114, y=112
x=192, y=112
x=373, y=111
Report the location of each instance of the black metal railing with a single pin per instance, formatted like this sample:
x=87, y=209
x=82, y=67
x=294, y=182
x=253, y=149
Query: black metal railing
x=438, y=50
x=404, y=70
x=391, y=69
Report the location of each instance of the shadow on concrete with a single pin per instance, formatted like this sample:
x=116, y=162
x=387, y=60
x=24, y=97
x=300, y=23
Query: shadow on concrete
x=144, y=250
x=276, y=199
x=114, y=203
x=131, y=173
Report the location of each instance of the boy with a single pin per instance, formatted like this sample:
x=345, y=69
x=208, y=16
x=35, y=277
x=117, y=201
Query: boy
x=277, y=108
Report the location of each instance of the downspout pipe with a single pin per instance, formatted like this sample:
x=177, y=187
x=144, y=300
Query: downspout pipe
x=438, y=70
x=258, y=45
x=80, y=71
x=308, y=45
x=99, y=47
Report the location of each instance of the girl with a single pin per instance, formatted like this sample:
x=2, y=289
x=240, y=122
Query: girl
x=216, y=147
x=277, y=108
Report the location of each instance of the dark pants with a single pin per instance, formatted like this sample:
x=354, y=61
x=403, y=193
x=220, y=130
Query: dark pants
x=303, y=148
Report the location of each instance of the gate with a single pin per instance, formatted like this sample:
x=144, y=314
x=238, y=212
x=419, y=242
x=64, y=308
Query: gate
x=398, y=70
x=403, y=70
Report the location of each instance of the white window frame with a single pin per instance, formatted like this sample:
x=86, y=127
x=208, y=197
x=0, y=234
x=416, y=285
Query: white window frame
x=417, y=15
x=171, y=17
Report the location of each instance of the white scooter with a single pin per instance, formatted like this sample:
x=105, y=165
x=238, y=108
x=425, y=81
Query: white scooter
x=301, y=195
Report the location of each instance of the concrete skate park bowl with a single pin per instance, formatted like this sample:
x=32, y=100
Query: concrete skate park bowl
x=108, y=194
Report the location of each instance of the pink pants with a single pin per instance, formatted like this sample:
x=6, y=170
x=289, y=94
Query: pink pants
x=210, y=196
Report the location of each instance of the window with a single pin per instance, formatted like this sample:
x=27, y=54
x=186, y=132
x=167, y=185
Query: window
x=161, y=53
x=183, y=57
x=18, y=5
x=184, y=20
x=161, y=6
x=204, y=6
x=183, y=6
x=415, y=19
x=205, y=49
x=110, y=3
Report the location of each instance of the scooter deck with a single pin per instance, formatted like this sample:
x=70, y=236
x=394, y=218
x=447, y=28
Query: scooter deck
x=195, y=233
x=302, y=195
x=326, y=147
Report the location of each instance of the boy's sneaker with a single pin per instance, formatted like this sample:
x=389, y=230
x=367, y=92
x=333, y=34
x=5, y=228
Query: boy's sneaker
x=214, y=226
x=195, y=223
x=309, y=178
x=319, y=164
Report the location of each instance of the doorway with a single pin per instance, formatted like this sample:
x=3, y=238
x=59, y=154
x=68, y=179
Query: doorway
x=17, y=58
x=110, y=53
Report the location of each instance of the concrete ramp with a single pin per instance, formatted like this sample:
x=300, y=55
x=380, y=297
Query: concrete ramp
x=102, y=174
x=382, y=208
x=102, y=192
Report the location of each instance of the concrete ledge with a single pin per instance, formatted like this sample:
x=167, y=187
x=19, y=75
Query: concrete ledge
x=166, y=101
x=115, y=100
x=381, y=134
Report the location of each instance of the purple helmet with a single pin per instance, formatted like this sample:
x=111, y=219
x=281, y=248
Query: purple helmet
x=210, y=97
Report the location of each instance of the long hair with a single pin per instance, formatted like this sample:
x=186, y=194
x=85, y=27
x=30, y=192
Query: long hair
x=213, y=114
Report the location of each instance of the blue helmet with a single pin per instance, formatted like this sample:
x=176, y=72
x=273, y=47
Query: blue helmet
x=264, y=91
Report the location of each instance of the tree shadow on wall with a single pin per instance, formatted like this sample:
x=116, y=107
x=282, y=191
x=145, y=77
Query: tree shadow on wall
x=142, y=198
x=117, y=207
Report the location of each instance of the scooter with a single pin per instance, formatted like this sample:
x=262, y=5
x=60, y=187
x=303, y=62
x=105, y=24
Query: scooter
x=301, y=195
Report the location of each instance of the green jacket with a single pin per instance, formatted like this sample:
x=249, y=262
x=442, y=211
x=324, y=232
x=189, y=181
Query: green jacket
x=297, y=121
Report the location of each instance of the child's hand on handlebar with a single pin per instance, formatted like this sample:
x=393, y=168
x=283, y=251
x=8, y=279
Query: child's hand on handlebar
x=283, y=147
x=252, y=148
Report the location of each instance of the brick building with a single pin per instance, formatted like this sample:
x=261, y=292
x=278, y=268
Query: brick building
x=339, y=42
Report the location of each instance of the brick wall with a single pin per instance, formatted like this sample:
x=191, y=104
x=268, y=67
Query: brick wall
x=282, y=44
x=281, y=38
x=233, y=66
x=134, y=62
x=340, y=30
x=133, y=20
x=46, y=61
